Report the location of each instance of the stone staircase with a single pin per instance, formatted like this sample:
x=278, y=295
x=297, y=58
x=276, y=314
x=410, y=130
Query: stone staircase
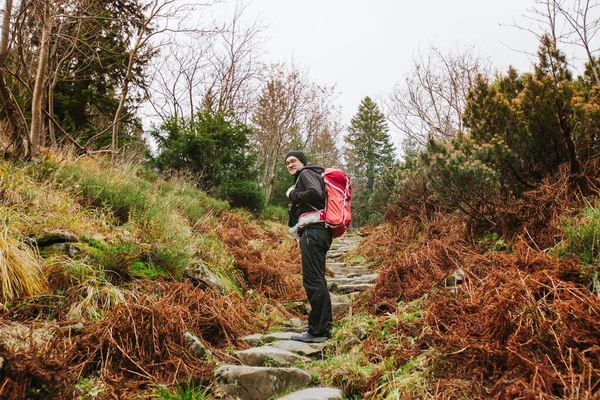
x=269, y=366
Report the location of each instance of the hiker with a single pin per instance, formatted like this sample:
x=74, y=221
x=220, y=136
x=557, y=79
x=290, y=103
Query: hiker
x=306, y=196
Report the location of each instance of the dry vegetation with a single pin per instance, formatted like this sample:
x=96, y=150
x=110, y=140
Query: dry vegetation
x=523, y=323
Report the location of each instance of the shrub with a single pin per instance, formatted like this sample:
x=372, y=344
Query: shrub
x=243, y=194
x=275, y=213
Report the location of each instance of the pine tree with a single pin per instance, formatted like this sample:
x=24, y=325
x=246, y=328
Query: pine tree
x=369, y=151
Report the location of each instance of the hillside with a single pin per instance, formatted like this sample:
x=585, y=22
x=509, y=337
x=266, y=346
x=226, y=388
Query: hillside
x=104, y=269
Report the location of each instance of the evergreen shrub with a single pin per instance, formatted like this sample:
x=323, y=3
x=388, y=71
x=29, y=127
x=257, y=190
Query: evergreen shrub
x=275, y=213
x=243, y=194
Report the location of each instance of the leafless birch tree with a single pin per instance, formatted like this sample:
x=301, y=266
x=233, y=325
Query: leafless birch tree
x=431, y=100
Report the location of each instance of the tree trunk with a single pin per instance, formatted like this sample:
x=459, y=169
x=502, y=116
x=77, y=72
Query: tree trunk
x=37, y=100
x=13, y=111
x=51, y=128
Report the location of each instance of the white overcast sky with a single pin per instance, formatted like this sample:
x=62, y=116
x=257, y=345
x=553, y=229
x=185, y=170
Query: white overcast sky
x=365, y=47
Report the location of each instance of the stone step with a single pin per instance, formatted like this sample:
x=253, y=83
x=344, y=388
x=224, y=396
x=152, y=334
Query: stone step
x=299, y=329
x=268, y=356
x=272, y=337
x=340, y=279
x=370, y=276
x=314, y=350
x=336, y=282
x=344, y=298
x=350, y=273
x=354, y=288
x=333, y=254
x=321, y=393
x=253, y=340
x=335, y=265
x=258, y=383
x=339, y=308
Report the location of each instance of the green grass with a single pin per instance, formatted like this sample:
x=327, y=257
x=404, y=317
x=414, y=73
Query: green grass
x=274, y=213
x=581, y=236
x=121, y=192
x=186, y=392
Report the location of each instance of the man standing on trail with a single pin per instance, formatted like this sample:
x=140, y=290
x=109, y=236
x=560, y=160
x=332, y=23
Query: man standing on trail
x=307, y=195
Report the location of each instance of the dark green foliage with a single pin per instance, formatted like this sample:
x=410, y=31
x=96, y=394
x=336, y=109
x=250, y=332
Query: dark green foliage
x=243, y=193
x=455, y=175
x=214, y=149
x=283, y=180
x=533, y=114
x=369, y=152
x=464, y=175
x=384, y=189
x=369, y=145
x=86, y=90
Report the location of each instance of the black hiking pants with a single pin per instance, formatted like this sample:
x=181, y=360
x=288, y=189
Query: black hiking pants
x=314, y=244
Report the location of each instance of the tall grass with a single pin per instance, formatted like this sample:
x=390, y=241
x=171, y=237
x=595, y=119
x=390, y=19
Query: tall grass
x=20, y=268
x=36, y=207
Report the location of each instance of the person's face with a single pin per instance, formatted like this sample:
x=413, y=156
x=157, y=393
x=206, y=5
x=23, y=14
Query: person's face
x=293, y=165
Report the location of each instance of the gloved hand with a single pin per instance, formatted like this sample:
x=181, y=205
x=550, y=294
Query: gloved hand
x=287, y=194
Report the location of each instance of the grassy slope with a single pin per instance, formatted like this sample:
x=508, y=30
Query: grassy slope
x=84, y=242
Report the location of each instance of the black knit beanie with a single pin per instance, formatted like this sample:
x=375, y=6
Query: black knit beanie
x=298, y=154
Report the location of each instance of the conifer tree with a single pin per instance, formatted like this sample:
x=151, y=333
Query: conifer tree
x=368, y=152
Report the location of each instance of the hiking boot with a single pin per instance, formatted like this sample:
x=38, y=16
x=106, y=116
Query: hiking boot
x=309, y=338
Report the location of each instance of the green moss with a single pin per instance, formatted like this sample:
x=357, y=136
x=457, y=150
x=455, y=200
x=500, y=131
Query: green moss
x=139, y=269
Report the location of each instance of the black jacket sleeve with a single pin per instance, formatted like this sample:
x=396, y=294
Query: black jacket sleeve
x=308, y=190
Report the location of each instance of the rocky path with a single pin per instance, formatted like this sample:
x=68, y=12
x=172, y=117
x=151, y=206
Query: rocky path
x=273, y=363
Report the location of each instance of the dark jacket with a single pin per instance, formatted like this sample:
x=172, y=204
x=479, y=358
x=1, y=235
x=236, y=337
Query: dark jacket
x=309, y=191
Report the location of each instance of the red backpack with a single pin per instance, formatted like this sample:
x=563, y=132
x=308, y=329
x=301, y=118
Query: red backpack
x=337, y=207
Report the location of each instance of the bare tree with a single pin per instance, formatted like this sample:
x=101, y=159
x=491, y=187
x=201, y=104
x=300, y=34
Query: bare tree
x=179, y=76
x=583, y=17
x=276, y=121
x=235, y=61
x=15, y=115
x=219, y=69
x=431, y=100
x=39, y=88
x=320, y=125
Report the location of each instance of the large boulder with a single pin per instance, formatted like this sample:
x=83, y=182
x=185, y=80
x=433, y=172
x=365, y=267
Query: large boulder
x=195, y=347
x=201, y=275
